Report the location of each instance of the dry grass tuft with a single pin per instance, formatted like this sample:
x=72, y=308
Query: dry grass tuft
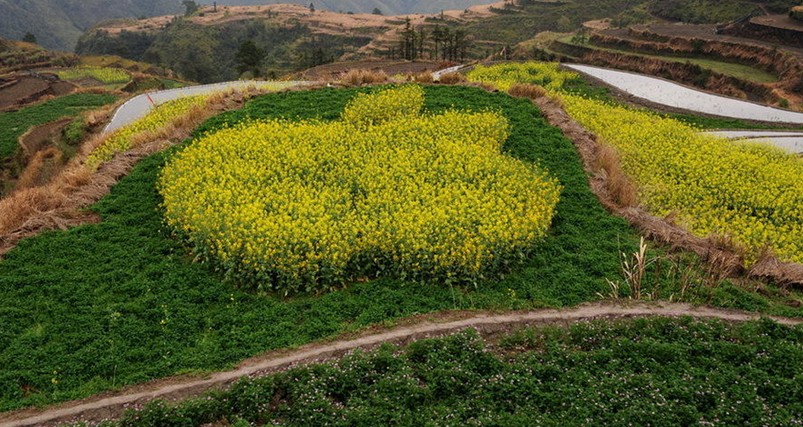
x=363, y=77
x=452, y=78
x=423, y=77
x=620, y=188
x=527, y=90
x=40, y=169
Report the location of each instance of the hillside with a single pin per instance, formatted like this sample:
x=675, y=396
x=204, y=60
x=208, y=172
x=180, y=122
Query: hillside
x=387, y=7
x=288, y=38
x=57, y=24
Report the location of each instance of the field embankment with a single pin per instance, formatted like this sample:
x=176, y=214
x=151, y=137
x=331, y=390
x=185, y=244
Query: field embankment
x=649, y=52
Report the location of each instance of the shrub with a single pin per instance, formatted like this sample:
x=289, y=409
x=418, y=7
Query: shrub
x=526, y=90
x=308, y=206
x=452, y=78
x=363, y=77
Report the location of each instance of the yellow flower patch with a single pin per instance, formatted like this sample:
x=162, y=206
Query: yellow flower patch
x=503, y=76
x=307, y=206
x=751, y=192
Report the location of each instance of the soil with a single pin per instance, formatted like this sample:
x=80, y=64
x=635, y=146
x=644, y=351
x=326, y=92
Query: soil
x=21, y=90
x=779, y=21
x=40, y=137
x=489, y=325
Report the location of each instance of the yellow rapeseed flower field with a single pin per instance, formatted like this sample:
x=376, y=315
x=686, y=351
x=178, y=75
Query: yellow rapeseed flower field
x=750, y=192
x=308, y=206
x=503, y=76
x=102, y=74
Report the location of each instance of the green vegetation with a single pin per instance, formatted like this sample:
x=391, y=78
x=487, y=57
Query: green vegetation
x=739, y=71
x=120, y=302
x=15, y=123
x=204, y=53
x=525, y=18
x=657, y=372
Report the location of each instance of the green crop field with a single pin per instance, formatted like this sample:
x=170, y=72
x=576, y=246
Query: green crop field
x=15, y=123
x=120, y=302
x=657, y=372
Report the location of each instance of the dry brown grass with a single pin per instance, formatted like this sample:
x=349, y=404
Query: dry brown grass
x=527, y=90
x=452, y=78
x=620, y=188
x=40, y=168
x=423, y=77
x=363, y=77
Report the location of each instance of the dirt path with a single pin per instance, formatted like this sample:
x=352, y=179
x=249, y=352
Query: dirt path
x=113, y=404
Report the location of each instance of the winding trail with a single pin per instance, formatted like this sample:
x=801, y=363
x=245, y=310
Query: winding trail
x=138, y=106
x=791, y=141
x=112, y=405
x=674, y=95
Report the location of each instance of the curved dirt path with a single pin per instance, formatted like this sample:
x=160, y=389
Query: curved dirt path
x=112, y=405
x=138, y=106
x=790, y=141
x=675, y=95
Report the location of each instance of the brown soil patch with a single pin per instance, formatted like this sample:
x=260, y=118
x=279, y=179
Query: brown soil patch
x=40, y=137
x=22, y=90
x=113, y=404
x=707, y=32
x=784, y=22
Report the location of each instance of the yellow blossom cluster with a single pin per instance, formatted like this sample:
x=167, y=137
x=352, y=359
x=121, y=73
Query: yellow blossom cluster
x=102, y=74
x=503, y=76
x=751, y=192
x=392, y=104
x=160, y=116
x=308, y=206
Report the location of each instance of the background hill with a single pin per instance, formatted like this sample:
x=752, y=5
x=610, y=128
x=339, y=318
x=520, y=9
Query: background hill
x=57, y=24
x=387, y=7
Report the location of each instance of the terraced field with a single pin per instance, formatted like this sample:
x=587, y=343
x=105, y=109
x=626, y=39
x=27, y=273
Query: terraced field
x=140, y=296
